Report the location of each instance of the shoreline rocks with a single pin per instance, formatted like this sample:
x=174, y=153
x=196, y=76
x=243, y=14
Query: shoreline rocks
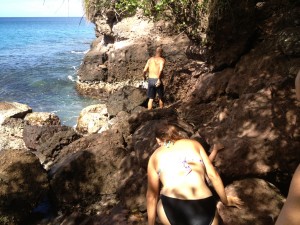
x=13, y=110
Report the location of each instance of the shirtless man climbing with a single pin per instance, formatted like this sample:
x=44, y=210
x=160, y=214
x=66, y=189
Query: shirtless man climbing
x=155, y=66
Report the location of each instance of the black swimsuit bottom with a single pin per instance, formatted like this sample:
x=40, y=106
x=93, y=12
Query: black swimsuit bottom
x=189, y=212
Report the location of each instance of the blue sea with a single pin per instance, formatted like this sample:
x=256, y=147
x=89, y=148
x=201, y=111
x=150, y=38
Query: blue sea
x=39, y=59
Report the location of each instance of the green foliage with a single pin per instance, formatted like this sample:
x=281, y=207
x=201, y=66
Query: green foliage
x=98, y=5
x=4, y=220
x=186, y=14
x=127, y=7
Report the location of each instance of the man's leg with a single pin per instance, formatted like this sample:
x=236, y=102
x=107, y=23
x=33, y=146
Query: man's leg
x=150, y=103
x=161, y=103
x=160, y=92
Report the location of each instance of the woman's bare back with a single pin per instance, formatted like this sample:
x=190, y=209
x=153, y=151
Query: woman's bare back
x=182, y=171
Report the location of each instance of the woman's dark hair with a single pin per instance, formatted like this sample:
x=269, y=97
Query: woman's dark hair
x=169, y=132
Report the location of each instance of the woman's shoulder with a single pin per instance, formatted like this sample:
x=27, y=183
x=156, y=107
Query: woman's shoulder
x=156, y=153
x=188, y=144
x=186, y=141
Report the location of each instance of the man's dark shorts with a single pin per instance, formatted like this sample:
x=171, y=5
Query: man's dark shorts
x=152, y=89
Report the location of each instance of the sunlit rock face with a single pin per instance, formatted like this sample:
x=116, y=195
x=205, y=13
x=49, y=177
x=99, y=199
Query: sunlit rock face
x=12, y=125
x=92, y=118
x=13, y=109
x=42, y=118
x=121, y=58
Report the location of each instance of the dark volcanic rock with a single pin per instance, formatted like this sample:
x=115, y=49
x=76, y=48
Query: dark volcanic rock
x=89, y=168
x=126, y=99
x=47, y=141
x=23, y=184
x=262, y=203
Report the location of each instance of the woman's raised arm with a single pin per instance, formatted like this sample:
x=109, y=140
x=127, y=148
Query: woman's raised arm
x=152, y=190
x=216, y=181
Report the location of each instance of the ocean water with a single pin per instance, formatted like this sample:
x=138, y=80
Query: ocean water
x=39, y=59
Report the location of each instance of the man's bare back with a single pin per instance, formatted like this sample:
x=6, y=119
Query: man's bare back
x=155, y=66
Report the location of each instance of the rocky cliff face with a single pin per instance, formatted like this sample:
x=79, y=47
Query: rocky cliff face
x=237, y=90
x=119, y=54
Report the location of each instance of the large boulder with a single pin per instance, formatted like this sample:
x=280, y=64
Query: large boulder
x=42, y=118
x=23, y=184
x=230, y=40
x=259, y=133
x=11, y=134
x=90, y=168
x=263, y=202
x=121, y=123
x=126, y=99
x=13, y=109
x=47, y=141
x=92, y=118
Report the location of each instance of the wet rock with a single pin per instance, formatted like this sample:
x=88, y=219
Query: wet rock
x=93, y=68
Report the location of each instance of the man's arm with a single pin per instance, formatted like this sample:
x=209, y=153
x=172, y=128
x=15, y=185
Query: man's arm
x=161, y=67
x=146, y=69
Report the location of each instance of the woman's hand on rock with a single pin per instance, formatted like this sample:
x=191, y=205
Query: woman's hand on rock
x=235, y=201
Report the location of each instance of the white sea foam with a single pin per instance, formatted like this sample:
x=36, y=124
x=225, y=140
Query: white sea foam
x=79, y=52
x=71, y=78
x=51, y=84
